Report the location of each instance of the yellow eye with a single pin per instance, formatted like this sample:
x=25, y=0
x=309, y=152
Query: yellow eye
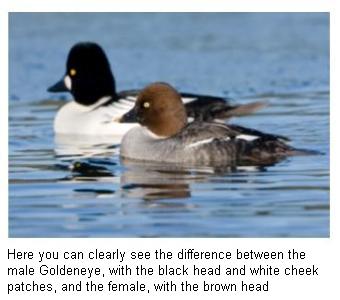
x=146, y=104
x=73, y=72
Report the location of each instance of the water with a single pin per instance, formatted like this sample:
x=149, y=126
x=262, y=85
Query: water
x=281, y=58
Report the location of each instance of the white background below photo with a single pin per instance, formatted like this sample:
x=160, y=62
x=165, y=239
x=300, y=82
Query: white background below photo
x=324, y=253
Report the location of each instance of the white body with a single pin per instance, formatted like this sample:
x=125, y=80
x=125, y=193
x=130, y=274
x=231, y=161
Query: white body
x=77, y=119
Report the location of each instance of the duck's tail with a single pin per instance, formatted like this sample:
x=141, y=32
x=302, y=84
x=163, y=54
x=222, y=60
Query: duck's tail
x=266, y=151
x=303, y=152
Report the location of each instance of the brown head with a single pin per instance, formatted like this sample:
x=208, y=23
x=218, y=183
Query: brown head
x=159, y=107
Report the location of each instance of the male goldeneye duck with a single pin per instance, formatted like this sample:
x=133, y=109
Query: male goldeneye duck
x=97, y=107
x=166, y=135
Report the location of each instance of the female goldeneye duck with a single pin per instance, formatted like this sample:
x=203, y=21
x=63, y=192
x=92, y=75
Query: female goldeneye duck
x=166, y=135
x=97, y=107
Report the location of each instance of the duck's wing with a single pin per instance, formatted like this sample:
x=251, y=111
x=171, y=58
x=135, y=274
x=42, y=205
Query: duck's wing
x=210, y=108
x=250, y=134
x=199, y=130
x=200, y=133
x=245, y=146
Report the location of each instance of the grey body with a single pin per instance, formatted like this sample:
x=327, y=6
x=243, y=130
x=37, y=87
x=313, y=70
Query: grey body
x=203, y=143
x=185, y=147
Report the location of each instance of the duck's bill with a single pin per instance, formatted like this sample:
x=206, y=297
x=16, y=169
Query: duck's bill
x=58, y=87
x=129, y=117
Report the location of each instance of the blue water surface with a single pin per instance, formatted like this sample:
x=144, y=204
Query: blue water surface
x=282, y=58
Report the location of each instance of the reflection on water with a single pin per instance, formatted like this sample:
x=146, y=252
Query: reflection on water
x=63, y=186
x=154, y=181
x=69, y=147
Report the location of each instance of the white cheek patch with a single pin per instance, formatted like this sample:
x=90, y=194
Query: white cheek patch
x=68, y=82
x=247, y=137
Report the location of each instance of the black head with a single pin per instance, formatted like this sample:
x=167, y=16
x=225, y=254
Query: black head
x=88, y=74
